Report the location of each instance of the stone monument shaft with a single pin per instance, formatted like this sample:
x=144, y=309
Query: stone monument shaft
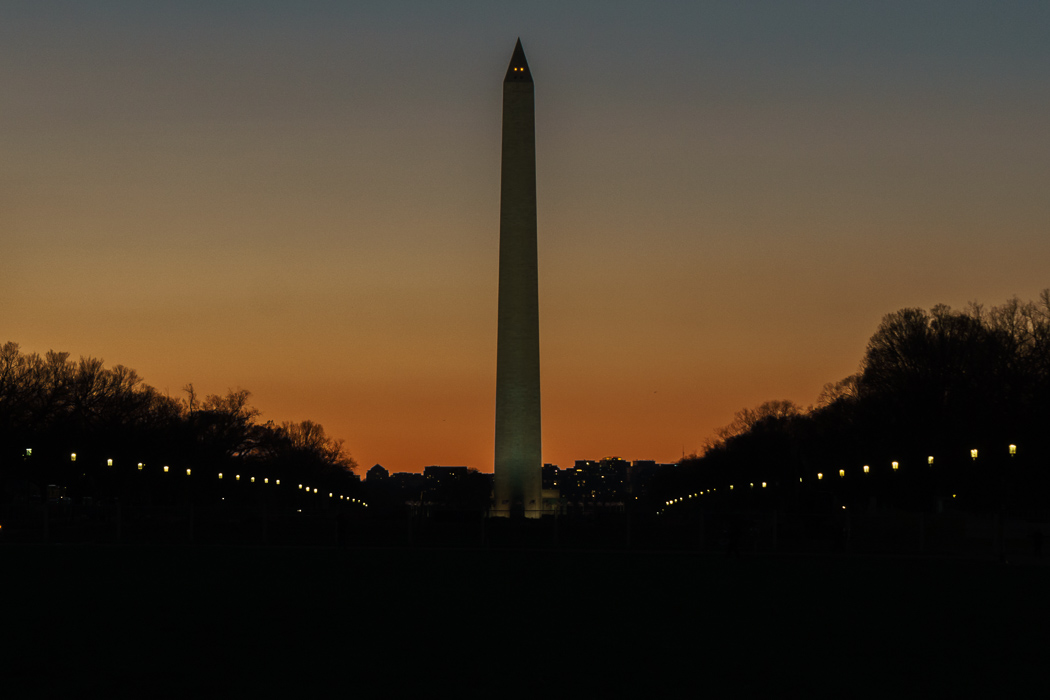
x=518, y=463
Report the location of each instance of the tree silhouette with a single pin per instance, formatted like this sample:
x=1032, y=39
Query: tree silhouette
x=938, y=382
x=52, y=408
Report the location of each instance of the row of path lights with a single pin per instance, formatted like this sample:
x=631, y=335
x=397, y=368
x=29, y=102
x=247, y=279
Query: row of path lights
x=237, y=477
x=866, y=469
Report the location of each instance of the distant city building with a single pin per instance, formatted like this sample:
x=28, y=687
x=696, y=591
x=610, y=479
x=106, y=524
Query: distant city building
x=437, y=477
x=551, y=474
x=589, y=486
x=551, y=494
x=377, y=473
x=640, y=472
x=592, y=486
x=410, y=485
x=457, y=489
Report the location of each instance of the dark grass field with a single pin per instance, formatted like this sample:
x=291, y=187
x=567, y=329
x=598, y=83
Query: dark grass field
x=97, y=621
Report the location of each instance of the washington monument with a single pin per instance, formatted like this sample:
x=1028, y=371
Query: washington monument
x=518, y=465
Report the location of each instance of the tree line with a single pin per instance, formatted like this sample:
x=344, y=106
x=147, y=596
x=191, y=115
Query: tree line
x=959, y=387
x=80, y=424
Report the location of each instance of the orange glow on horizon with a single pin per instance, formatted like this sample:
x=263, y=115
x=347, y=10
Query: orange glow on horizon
x=317, y=221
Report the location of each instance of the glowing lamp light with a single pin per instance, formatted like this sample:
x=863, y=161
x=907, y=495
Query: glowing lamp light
x=730, y=487
x=266, y=480
x=253, y=479
x=929, y=460
x=237, y=477
x=278, y=482
x=842, y=472
x=220, y=475
x=73, y=457
x=973, y=454
x=165, y=468
x=188, y=472
x=763, y=484
x=315, y=490
x=866, y=469
x=141, y=465
x=29, y=452
x=820, y=476
x=300, y=486
x=109, y=462
x=752, y=484
x=329, y=494
x=1013, y=450
x=895, y=465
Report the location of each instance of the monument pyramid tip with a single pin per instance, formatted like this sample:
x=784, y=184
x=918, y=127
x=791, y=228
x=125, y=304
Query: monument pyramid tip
x=518, y=71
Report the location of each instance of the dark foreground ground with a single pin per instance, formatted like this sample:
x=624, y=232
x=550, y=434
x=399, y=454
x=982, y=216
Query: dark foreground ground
x=101, y=621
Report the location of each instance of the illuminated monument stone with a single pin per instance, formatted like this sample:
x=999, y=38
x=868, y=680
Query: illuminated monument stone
x=518, y=466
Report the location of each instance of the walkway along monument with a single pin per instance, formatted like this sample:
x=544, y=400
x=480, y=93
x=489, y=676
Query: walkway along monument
x=518, y=464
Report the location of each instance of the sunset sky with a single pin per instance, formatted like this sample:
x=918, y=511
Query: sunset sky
x=301, y=199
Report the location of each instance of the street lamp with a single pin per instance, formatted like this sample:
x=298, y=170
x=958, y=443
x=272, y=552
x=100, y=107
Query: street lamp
x=866, y=468
x=895, y=465
x=929, y=460
x=1013, y=450
x=973, y=454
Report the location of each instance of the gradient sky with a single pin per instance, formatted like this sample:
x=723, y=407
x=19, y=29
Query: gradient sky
x=302, y=199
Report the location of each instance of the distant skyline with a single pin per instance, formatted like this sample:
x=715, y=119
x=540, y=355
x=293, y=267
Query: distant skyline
x=302, y=200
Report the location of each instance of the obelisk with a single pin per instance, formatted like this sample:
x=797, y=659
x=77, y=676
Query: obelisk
x=518, y=465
